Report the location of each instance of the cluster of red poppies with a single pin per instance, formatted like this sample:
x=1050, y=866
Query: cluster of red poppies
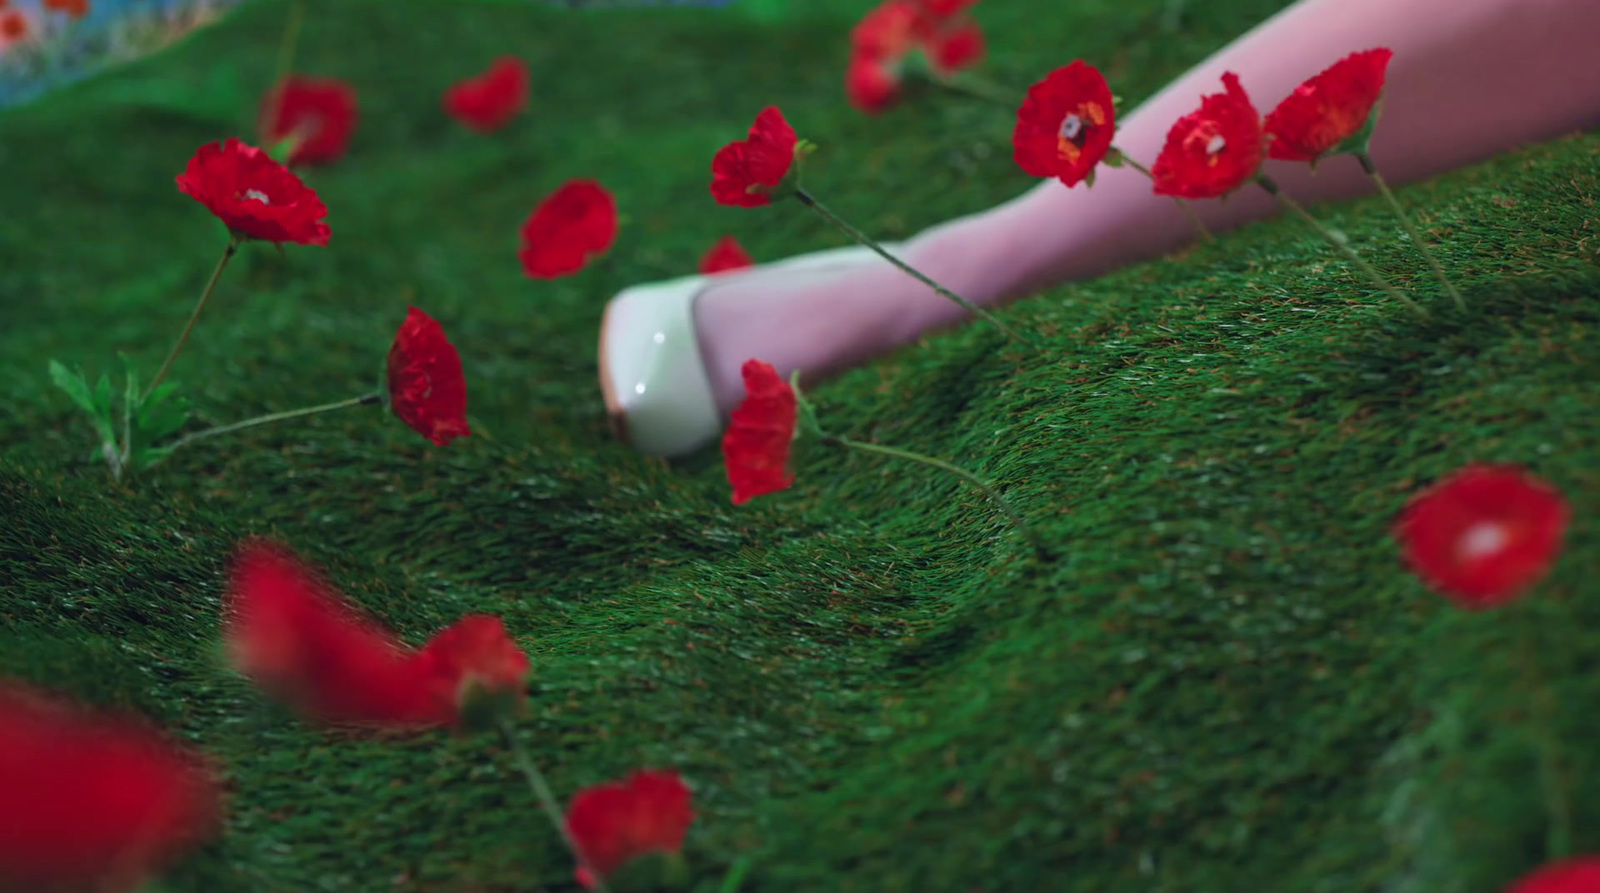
x=15, y=26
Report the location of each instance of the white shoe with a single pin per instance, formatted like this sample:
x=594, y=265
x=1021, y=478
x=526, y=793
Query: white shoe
x=657, y=392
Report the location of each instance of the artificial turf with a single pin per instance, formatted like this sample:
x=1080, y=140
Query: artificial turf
x=1226, y=682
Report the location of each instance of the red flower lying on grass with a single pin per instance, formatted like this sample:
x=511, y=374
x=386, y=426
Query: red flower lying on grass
x=1329, y=109
x=616, y=823
x=727, y=254
x=1065, y=126
x=256, y=197
x=746, y=173
x=1483, y=535
x=318, y=116
x=302, y=643
x=885, y=40
x=95, y=804
x=490, y=101
x=427, y=389
x=573, y=224
x=760, y=430
x=1214, y=150
x=1576, y=875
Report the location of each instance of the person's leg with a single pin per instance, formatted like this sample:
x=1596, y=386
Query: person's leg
x=1469, y=78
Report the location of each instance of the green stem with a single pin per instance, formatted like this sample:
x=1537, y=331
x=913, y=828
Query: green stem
x=810, y=202
x=546, y=798
x=1000, y=501
x=1405, y=221
x=1182, y=202
x=1558, y=837
x=1340, y=244
x=363, y=400
x=227, y=255
x=287, y=45
x=968, y=84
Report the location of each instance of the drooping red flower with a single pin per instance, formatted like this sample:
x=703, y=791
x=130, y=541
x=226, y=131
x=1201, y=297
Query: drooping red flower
x=94, y=803
x=727, y=254
x=573, y=224
x=319, y=114
x=256, y=197
x=756, y=445
x=1329, y=108
x=1212, y=151
x=75, y=8
x=1576, y=875
x=1065, y=125
x=427, y=388
x=1482, y=535
x=474, y=659
x=490, y=101
x=745, y=173
x=611, y=824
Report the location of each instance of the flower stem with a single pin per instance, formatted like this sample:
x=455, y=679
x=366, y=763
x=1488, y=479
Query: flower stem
x=1182, y=202
x=1558, y=806
x=546, y=798
x=1340, y=244
x=287, y=45
x=363, y=400
x=968, y=84
x=227, y=255
x=810, y=202
x=1000, y=501
x=1405, y=221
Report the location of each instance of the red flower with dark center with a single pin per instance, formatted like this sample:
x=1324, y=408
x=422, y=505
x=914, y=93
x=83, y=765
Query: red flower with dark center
x=319, y=114
x=611, y=824
x=870, y=85
x=1483, y=535
x=727, y=254
x=427, y=388
x=489, y=101
x=760, y=430
x=1212, y=151
x=1328, y=109
x=254, y=196
x=1065, y=125
x=96, y=803
x=573, y=224
x=75, y=8
x=474, y=657
x=1577, y=875
x=746, y=172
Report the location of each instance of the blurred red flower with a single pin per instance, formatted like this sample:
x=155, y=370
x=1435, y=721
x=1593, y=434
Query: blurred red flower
x=1066, y=124
x=319, y=114
x=97, y=804
x=1328, y=109
x=887, y=36
x=474, y=659
x=1212, y=151
x=1484, y=534
x=256, y=197
x=1580, y=874
x=611, y=824
x=489, y=101
x=570, y=226
x=75, y=8
x=14, y=27
x=726, y=254
x=744, y=173
x=947, y=8
x=760, y=431
x=427, y=388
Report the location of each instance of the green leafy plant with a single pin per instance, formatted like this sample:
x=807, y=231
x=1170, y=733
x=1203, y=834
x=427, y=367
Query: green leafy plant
x=129, y=433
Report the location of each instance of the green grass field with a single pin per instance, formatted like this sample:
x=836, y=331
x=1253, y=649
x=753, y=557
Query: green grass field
x=1228, y=682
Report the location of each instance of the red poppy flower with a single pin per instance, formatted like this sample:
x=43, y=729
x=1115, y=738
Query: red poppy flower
x=474, y=660
x=489, y=101
x=956, y=47
x=613, y=823
x=13, y=27
x=319, y=114
x=256, y=197
x=1065, y=125
x=727, y=254
x=1483, y=535
x=756, y=445
x=75, y=8
x=870, y=85
x=1328, y=109
x=1576, y=875
x=94, y=802
x=427, y=388
x=889, y=31
x=745, y=173
x=885, y=38
x=1212, y=151
x=573, y=224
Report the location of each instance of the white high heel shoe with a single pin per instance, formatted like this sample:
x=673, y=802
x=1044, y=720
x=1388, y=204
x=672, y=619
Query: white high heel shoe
x=653, y=378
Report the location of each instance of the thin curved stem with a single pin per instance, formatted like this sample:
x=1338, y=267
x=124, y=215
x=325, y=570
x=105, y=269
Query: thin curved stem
x=211, y=285
x=844, y=227
x=1205, y=233
x=363, y=400
x=546, y=797
x=1405, y=221
x=968, y=84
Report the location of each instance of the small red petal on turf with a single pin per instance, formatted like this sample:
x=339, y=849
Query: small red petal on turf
x=1576, y=875
x=760, y=431
x=727, y=254
x=567, y=229
x=612, y=823
x=1483, y=535
x=490, y=101
x=761, y=160
x=1214, y=150
x=427, y=388
x=321, y=112
x=256, y=197
x=1327, y=109
x=1065, y=125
